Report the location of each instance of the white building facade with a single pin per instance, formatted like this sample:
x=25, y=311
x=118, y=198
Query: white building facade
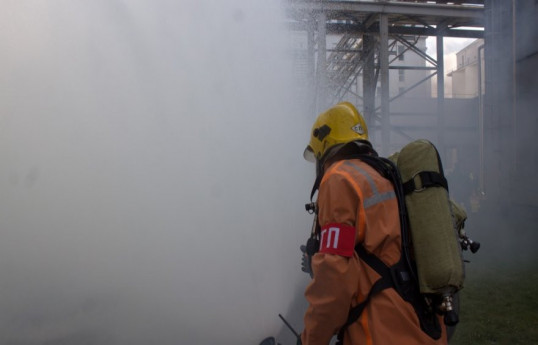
x=469, y=70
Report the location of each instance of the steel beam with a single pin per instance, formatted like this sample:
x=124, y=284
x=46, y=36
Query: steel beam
x=414, y=49
x=415, y=68
x=368, y=77
x=440, y=95
x=311, y=62
x=321, y=70
x=339, y=28
x=384, y=7
x=384, y=66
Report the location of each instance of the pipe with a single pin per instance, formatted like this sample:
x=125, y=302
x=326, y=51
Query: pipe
x=440, y=91
x=514, y=92
x=481, y=174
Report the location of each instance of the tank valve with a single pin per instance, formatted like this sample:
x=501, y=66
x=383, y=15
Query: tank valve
x=447, y=306
x=467, y=243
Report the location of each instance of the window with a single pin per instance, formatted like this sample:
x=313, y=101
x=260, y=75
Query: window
x=401, y=75
x=401, y=53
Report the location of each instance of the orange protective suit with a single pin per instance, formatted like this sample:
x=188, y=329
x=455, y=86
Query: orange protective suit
x=352, y=193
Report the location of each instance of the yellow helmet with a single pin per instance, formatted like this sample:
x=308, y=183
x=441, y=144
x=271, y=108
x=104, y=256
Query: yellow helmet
x=338, y=125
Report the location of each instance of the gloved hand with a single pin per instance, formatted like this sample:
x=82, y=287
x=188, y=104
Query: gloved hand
x=306, y=264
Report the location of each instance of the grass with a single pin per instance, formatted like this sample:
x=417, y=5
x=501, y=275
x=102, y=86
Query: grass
x=499, y=306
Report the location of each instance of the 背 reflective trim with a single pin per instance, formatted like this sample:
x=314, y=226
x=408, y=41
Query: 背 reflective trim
x=377, y=197
x=363, y=172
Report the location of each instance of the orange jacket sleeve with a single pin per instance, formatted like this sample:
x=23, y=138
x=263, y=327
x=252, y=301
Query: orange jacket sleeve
x=335, y=278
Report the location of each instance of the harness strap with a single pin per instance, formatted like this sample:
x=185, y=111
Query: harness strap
x=427, y=179
x=386, y=281
x=356, y=311
x=400, y=279
x=317, y=182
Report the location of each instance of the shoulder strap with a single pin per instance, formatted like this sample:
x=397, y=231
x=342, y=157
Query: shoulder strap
x=315, y=187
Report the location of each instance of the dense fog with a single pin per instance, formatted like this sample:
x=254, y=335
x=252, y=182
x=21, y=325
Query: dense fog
x=152, y=181
x=152, y=177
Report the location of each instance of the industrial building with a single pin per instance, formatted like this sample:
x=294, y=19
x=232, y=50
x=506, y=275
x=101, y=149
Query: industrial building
x=354, y=50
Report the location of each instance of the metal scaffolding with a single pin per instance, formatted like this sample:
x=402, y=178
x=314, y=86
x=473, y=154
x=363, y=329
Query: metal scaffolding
x=369, y=31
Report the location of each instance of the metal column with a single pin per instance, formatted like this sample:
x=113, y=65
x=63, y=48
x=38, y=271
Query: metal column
x=368, y=78
x=481, y=175
x=440, y=92
x=321, y=70
x=384, y=73
x=311, y=64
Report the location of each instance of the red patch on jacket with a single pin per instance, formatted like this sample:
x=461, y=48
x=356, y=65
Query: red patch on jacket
x=337, y=239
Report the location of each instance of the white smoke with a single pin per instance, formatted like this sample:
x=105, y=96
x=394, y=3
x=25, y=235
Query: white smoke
x=152, y=181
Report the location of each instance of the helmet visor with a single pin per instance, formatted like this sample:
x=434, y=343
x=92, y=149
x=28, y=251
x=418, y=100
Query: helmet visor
x=308, y=154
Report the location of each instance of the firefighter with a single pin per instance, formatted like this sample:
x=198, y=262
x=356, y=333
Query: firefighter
x=356, y=205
